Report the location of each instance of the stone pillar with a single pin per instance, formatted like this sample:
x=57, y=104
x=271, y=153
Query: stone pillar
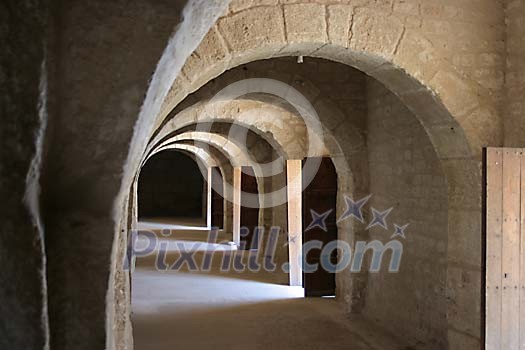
x=208, y=197
x=237, y=171
x=295, y=225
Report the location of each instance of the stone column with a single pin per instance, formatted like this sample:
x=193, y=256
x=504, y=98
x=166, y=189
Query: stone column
x=237, y=171
x=208, y=197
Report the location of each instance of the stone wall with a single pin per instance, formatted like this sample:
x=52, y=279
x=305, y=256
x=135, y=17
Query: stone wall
x=104, y=55
x=22, y=34
x=106, y=52
x=455, y=48
x=444, y=60
x=514, y=108
x=405, y=174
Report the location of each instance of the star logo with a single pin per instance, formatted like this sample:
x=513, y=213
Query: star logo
x=354, y=209
x=399, y=231
x=318, y=220
x=379, y=218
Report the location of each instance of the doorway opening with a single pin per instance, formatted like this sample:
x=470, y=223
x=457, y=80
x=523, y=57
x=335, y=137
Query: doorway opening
x=319, y=202
x=250, y=237
x=172, y=188
x=217, y=200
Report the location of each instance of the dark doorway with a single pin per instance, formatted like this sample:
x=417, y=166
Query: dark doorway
x=320, y=196
x=249, y=216
x=170, y=185
x=217, y=201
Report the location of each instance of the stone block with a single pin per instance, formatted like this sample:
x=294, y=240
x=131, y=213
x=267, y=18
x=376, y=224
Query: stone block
x=339, y=24
x=375, y=33
x=240, y=5
x=209, y=59
x=305, y=23
x=254, y=34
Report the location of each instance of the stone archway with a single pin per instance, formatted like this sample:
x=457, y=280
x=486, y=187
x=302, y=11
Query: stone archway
x=209, y=157
x=447, y=105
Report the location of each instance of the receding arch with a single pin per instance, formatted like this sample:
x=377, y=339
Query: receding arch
x=429, y=95
x=172, y=174
x=199, y=152
x=448, y=125
x=237, y=155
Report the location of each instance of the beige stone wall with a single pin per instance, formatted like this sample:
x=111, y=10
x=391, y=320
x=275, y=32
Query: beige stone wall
x=108, y=50
x=405, y=174
x=514, y=108
x=444, y=60
x=455, y=48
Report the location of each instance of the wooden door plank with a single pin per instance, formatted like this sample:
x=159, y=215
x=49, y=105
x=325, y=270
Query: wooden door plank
x=522, y=254
x=494, y=209
x=237, y=171
x=295, y=225
x=511, y=249
x=209, y=189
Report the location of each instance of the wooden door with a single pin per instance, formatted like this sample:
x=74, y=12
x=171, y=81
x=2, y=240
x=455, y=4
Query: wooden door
x=249, y=216
x=217, y=201
x=505, y=249
x=320, y=196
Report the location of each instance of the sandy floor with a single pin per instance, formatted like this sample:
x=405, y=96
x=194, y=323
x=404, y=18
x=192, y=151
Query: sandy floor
x=233, y=310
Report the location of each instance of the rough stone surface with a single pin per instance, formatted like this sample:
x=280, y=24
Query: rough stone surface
x=107, y=52
x=375, y=32
x=405, y=174
x=22, y=34
x=514, y=111
x=248, y=31
x=305, y=22
x=456, y=65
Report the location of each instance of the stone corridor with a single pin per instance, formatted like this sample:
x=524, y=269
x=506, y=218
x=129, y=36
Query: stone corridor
x=235, y=311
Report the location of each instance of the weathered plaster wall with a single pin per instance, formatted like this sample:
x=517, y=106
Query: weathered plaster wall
x=106, y=53
x=22, y=34
x=514, y=107
x=405, y=174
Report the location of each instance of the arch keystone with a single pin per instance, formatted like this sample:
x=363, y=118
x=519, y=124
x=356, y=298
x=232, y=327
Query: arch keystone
x=254, y=33
x=340, y=18
x=305, y=26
